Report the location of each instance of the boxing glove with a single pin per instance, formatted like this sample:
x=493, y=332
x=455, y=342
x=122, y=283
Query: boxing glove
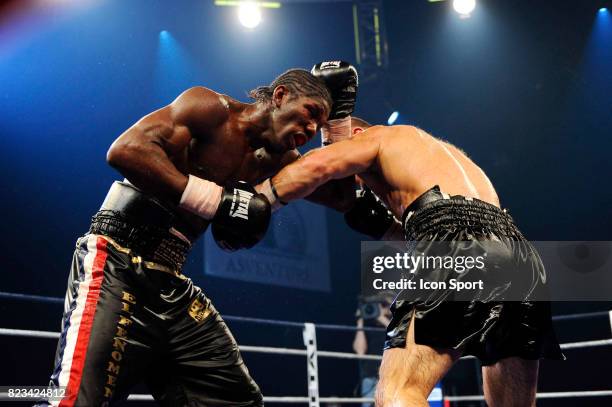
x=242, y=217
x=342, y=81
x=371, y=217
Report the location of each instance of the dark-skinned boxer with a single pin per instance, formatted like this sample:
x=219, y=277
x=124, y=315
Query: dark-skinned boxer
x=130, y=314
x=440, y=195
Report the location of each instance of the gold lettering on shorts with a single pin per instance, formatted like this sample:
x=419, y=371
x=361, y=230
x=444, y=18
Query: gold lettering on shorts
x=121, y=332
x=126, y=307
x=113, y=368
x=199, y=311
x=128, y=297
x=119, y=343
x=117, y=356
x=111, y=380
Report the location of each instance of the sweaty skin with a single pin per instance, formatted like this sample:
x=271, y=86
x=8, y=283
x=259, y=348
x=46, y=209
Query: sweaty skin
x=398, y=163
x=217, y=138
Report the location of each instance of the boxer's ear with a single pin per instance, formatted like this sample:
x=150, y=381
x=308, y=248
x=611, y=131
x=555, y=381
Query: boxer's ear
x=280, y=92
x=356, y=130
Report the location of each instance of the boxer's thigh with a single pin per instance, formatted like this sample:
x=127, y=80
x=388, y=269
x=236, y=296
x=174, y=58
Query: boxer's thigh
x=205, y=363
x=102, y=349
x=413, y=368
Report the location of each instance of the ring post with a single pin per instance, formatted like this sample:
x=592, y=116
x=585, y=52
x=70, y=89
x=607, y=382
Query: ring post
x=310, y=341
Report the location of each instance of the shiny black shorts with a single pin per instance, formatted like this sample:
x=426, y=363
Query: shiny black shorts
x=490, y=330
x=127, y=321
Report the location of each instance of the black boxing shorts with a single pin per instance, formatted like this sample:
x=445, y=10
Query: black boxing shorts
x=129, y=319
x=490, y=330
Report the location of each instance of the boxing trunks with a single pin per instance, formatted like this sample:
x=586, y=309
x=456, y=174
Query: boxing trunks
x=489, y=329
x=131, y=316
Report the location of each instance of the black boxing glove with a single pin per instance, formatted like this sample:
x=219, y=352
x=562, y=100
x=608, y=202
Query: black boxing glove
x=342, y=81
x=242, y=218
x=372, y=218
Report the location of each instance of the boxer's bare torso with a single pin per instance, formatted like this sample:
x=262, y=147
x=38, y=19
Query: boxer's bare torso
x=399, y=163
x=213, y=137
x=410, y=161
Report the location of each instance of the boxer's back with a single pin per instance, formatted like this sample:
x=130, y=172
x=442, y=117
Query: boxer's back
x=411, y=161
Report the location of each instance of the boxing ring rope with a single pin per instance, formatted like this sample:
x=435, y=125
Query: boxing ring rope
x=312, y=353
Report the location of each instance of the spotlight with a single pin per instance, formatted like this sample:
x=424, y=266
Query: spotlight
x=464, y=7
x=249, y=14
x=603, y=10
x=392, y=118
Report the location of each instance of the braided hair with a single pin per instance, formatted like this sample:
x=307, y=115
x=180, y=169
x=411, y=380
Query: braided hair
x=299, y=82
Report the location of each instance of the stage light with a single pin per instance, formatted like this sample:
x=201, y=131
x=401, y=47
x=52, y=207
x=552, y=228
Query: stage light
x=464, y=7
x=249, y=14
x=393, y=118
x=603, y=10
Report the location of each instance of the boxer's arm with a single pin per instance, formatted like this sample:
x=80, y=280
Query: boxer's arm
x=360, y=343
x=336, y=194
x=143, y=154
x=336, y=161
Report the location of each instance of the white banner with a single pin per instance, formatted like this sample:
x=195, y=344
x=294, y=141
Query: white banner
x=294, y=252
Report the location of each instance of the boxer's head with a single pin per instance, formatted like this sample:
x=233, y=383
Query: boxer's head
x=358, y=125
x=298, y=103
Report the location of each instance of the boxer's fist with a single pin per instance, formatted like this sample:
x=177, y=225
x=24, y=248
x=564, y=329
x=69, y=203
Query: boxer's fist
x=242, y=218
x=342, y=81
x=369, y=215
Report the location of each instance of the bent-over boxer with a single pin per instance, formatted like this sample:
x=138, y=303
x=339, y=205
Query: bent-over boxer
x=440, y=195
x=130, y=314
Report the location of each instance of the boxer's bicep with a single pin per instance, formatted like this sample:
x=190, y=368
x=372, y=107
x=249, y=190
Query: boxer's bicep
x=143, y=154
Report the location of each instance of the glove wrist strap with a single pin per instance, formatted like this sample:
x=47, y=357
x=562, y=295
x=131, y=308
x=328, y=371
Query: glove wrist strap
x=267, y=189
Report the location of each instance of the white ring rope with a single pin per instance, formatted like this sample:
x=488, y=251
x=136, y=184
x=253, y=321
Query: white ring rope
x=291, y=351
x=280, y=399
x=345, y=355
x=356, y=400
x=547, y=395
x=586, y=344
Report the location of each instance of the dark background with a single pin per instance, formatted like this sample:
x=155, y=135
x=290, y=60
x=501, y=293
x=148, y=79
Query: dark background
x=523, y=87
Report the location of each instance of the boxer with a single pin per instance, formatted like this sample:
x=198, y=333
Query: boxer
x=439, y=194
x=130, y=314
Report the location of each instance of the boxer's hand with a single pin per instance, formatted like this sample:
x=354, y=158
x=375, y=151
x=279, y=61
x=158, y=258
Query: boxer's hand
x=370, y=216
x=242, y=218
x=342, y=81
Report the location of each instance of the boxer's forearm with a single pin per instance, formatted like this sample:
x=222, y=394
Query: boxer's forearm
x=336, y=161
x=336, y=194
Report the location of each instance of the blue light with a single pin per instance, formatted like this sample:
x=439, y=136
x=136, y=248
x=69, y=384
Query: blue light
x=393, y=118
x=175, y=69
x=603, y=10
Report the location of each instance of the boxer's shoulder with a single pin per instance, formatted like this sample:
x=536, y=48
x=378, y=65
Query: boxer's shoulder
x=200, y=106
